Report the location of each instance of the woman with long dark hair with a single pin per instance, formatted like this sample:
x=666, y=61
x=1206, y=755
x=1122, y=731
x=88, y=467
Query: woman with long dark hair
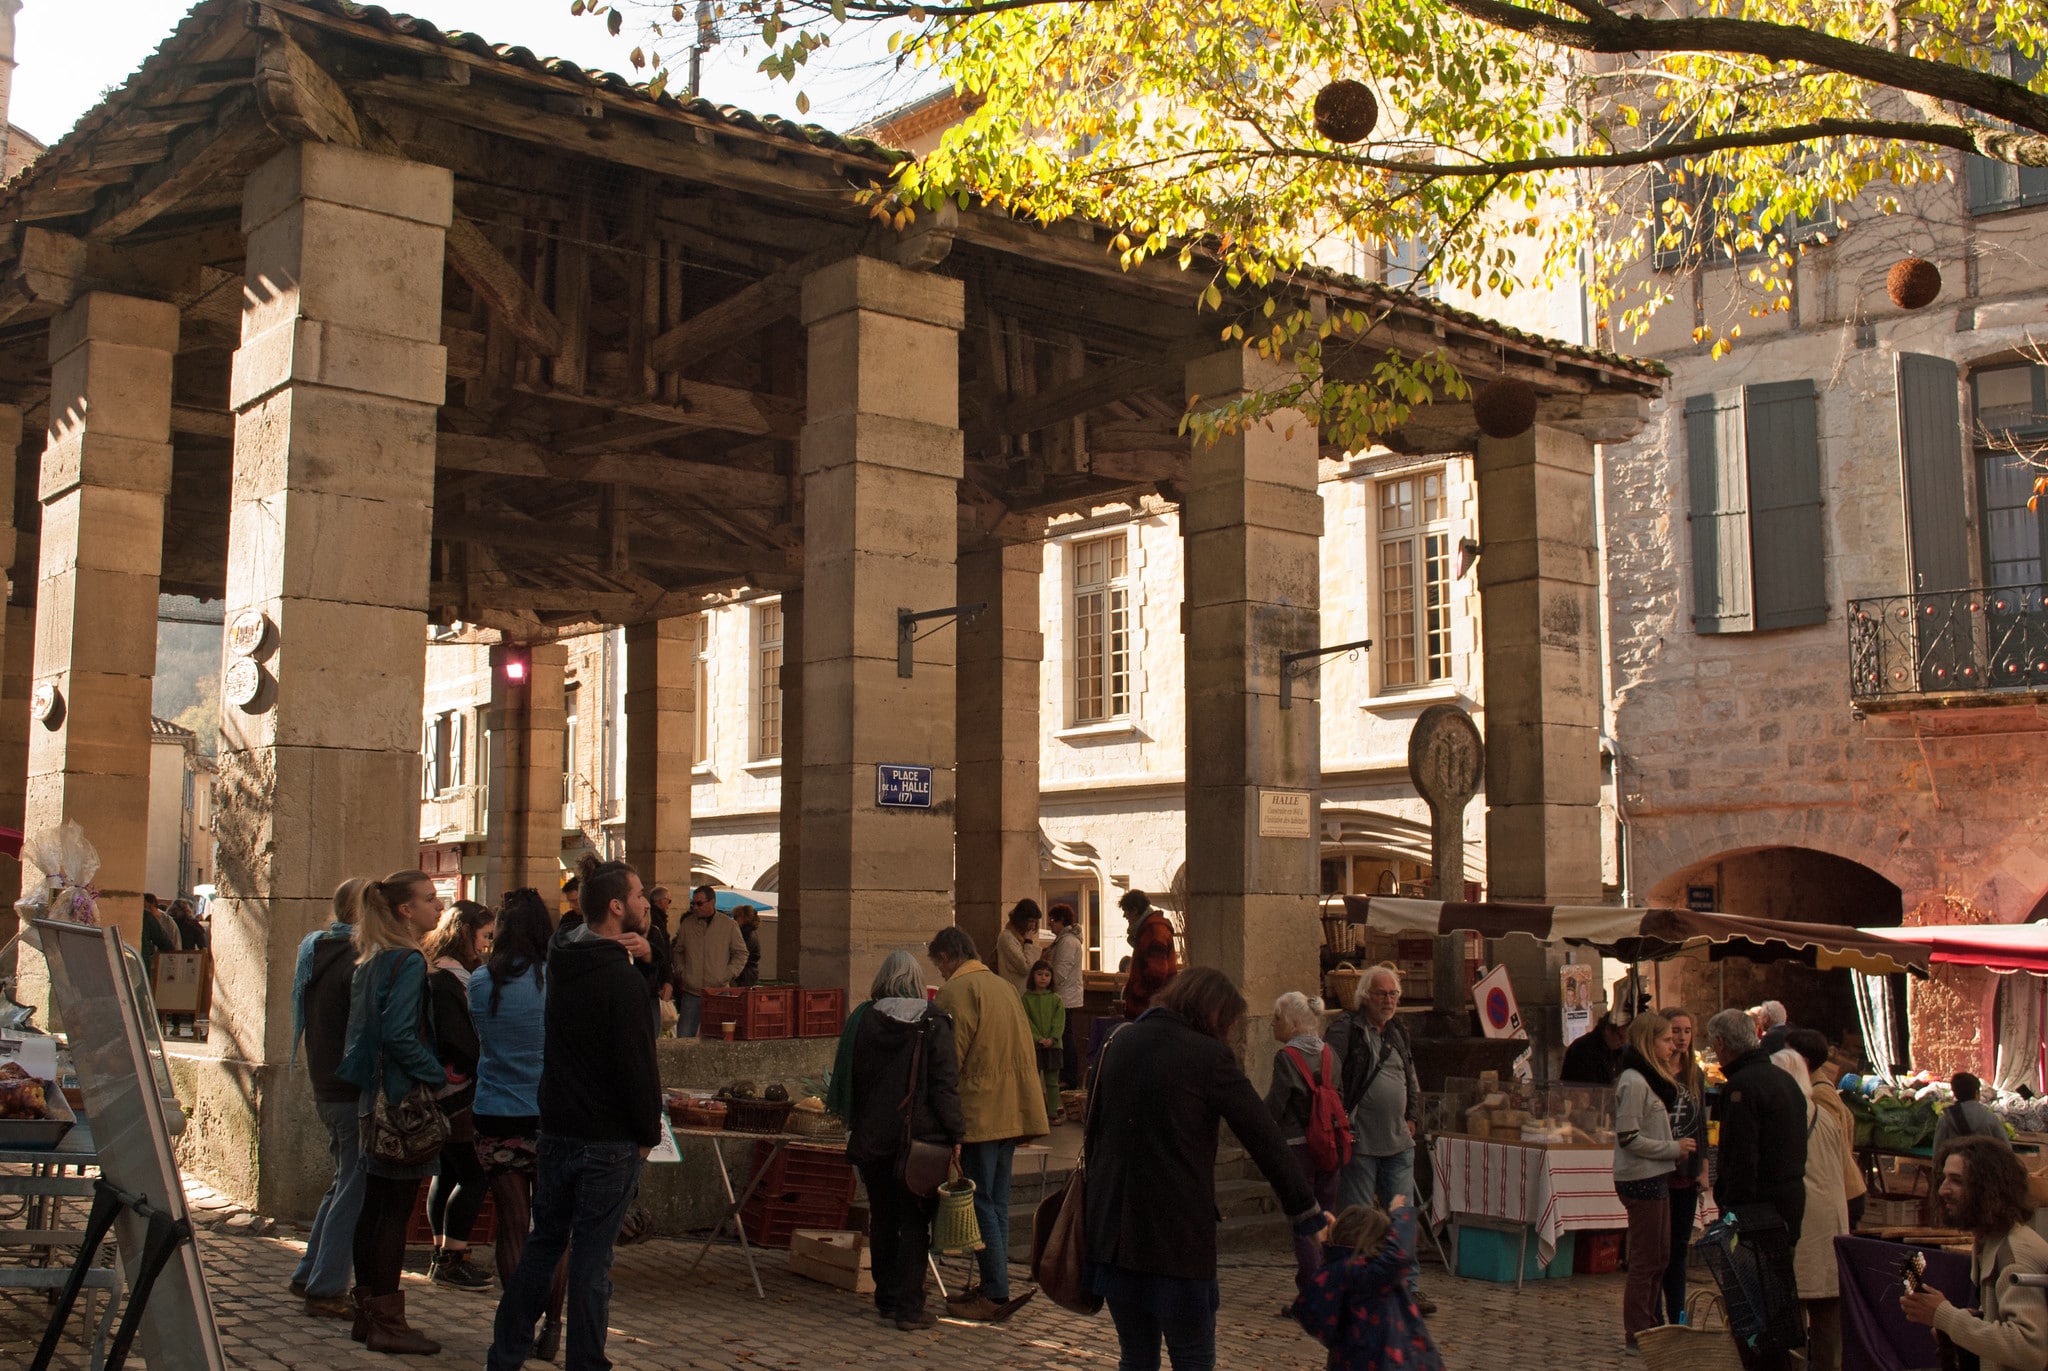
x=1164, y=1084
x=390, y=1048
x=454, y=950
x=1688, y=1120
x=508, y=1007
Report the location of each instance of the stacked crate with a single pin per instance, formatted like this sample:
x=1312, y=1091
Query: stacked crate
x=757, y=1013
x=803, y=1187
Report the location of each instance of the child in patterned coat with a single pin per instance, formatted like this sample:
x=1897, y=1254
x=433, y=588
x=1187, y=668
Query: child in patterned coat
x=1359, y=1305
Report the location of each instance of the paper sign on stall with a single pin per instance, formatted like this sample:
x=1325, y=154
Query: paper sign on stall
x=665, y=1150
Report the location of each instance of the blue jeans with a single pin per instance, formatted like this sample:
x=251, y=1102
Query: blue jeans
x=1190, y=1343
x=581, y=1193
x=1377, y=1180
x=987, y=1164
x=689, y=1014
x=326, y=1268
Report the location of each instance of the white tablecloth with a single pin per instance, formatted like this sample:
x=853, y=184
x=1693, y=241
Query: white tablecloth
x=1552, y=1189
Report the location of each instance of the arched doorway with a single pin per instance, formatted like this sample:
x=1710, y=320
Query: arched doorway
x=1796, y=884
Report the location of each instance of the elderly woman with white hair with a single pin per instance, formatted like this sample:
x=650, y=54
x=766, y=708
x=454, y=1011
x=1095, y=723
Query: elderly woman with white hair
x=902, y=1049
x=1303, y=1065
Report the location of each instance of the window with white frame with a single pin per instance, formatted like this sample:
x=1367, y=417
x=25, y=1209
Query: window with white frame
x=443, y=748
x=768, y=681
x=1413, y=643
x=571, y=699
x=1102, y=628
x=701, y=749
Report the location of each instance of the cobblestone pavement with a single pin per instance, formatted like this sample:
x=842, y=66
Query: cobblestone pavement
x=665, y=1320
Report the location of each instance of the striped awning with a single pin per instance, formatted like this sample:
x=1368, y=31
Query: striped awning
x=1652, y=934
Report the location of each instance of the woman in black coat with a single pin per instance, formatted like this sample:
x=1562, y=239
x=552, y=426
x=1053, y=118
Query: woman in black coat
x=1163, y=1085
x=899, y=1031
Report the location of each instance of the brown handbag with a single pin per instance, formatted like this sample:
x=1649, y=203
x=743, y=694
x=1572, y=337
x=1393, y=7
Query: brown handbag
x=1059, y=1238
x=921, y=1166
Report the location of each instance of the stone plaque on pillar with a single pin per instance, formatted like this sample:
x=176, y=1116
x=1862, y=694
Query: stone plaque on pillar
x=1446, y=759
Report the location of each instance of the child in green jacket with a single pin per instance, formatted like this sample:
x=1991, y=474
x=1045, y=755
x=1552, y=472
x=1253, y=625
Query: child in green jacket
x=1048, y=1027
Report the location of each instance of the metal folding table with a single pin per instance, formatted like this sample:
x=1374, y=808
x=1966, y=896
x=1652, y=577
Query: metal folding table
x=42, y=1179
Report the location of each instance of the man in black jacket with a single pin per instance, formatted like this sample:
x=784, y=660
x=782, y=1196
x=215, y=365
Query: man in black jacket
x=1383, y=1097
x=1762, y=1156
x=600, y=1115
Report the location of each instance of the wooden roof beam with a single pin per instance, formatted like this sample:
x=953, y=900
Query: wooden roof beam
x=701, y=481
x=534, y=535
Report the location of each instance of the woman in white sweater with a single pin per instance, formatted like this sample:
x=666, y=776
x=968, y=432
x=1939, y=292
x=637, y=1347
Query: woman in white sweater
x=1645, y=1154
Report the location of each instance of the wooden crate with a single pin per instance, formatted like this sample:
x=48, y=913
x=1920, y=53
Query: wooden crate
x=833, y=1257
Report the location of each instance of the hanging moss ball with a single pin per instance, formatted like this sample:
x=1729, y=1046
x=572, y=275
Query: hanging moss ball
x=1346, y=111
x=1504, y=408
x=1913, y=283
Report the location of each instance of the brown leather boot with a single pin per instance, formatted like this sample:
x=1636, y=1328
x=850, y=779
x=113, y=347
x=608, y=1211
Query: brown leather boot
x=389, y=1332
x=360, y=1329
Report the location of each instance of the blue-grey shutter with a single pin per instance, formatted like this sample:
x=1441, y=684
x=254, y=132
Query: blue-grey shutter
x=1719, y=513
x=1788, y=574
x=1931, y=452
x=1989, y=184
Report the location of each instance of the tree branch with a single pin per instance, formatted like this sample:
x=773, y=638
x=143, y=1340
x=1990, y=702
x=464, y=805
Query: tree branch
x=1993, y=95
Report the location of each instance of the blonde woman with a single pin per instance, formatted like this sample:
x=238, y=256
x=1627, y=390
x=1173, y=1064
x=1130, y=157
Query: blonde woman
x=390, y=1046
x=1645, y=1155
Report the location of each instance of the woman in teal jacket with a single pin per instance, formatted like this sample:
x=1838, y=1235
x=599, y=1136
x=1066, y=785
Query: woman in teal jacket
x=390, y=1048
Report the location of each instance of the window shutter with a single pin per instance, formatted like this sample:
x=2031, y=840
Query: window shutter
x=1931, y=452
x=1783, y=442
x=458, y=755
x=1719, y=514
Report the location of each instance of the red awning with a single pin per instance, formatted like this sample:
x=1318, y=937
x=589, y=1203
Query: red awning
x=1997, y=947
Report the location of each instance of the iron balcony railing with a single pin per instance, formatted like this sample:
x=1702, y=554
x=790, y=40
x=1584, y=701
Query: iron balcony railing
x=1982, y=641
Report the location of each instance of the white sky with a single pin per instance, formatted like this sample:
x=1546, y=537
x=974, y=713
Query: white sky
x=71, y=51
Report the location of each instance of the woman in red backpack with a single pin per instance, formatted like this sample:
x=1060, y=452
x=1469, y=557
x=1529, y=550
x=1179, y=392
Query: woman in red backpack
x=1304, y=1067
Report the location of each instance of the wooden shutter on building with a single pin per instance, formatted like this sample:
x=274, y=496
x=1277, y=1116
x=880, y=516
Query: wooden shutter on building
x=1931, y=452
x=1788, y=573
x=1716, y=462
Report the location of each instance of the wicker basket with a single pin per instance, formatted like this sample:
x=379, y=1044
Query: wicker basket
x=1677, y=1348
x=1340, y=985
x=757, y=1116
x=697, y=1113
x=814, y=1123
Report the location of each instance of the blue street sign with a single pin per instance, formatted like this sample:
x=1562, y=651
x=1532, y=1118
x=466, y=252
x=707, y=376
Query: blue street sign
x=903, y=787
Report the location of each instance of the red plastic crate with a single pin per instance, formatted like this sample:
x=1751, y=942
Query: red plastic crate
x=770, y=1225
x=1597, y=1254
x=419, y=1233
x=820, y=1013
x=804, y=1176
x=757, y=1012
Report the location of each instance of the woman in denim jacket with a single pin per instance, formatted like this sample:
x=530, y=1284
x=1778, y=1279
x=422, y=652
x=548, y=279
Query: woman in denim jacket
x=390, y=1048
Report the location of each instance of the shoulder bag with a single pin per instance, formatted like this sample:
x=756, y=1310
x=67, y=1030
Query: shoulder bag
x=921, y=1166
x=1059, y=1239
x=411, y=1132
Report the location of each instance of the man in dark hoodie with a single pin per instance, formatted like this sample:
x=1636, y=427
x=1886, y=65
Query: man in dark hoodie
x=600, y=1115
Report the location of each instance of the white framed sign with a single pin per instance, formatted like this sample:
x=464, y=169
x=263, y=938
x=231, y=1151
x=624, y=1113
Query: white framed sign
x=1287, y=814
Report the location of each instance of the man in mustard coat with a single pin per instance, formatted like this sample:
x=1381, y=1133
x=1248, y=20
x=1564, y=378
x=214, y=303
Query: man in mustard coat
x=1002, y=1100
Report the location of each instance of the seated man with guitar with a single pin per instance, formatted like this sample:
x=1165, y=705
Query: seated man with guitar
x=1984, y=1189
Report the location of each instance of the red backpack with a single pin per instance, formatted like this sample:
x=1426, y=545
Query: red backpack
x=1329, y=1127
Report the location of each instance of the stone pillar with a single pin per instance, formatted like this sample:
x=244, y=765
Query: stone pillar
x=105, y=474
x=1539, y=596
x=529, y=730
x=996, y=841
x=661, y=723
x=17, y=669
x=1253, y=523
x=881, y=460
x=789, y=864
x=335, y=390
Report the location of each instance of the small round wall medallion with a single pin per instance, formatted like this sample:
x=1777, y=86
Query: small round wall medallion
x=242, y=683
x=249, y=635
x=46, y=704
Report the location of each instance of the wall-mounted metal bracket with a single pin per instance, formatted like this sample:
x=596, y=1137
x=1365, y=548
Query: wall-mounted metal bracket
x=1293, y=664
x=908, y=620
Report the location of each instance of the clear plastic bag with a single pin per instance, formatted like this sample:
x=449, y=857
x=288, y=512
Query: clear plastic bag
x=68, y=861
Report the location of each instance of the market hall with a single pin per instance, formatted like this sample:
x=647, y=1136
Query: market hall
x=360, y=326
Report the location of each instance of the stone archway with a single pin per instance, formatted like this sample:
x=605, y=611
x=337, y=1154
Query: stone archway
x=1777, y=881
x=1662, y=847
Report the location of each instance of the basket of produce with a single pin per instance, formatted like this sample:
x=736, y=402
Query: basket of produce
x=808, y=1118
x=750, y=1108
x=693, y=1112
x=34, y=1114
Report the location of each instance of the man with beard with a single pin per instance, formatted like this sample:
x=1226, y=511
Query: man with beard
x=1984, y=1189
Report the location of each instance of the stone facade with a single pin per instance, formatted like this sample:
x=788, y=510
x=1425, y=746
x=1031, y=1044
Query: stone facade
x=1740, y=746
